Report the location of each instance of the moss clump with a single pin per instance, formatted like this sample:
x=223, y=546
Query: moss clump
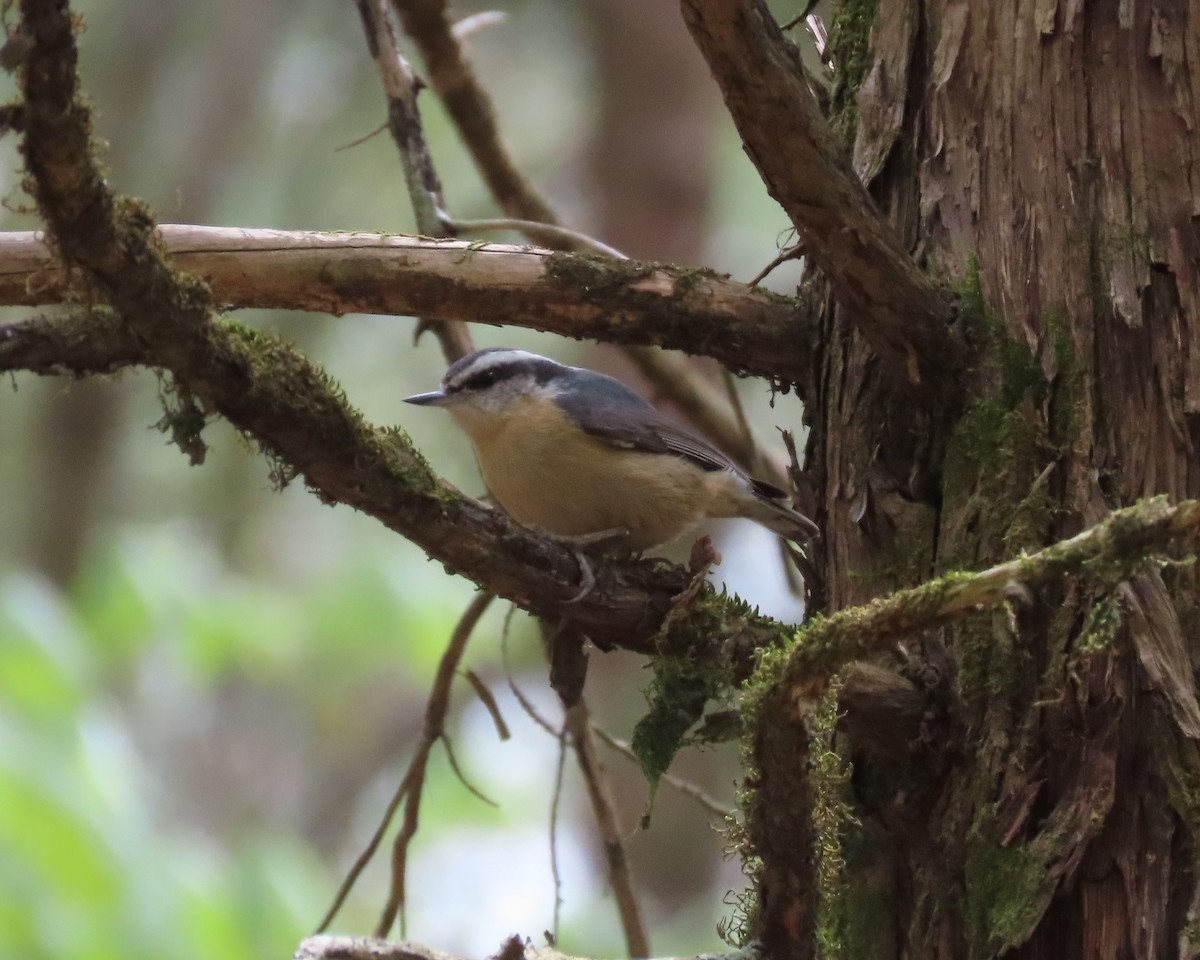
x=182, y=419
x=692, y=667
x=689, y=279
x=1005, y=894
x=832, y=817
x=849, y=48
x=594, y=276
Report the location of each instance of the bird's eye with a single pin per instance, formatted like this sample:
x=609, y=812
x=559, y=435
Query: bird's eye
x=483, y=379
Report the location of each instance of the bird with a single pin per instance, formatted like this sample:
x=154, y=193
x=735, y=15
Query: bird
x=577, y=454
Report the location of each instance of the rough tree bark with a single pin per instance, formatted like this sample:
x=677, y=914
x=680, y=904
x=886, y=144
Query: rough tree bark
x=1028, y=782
x=1043, y=158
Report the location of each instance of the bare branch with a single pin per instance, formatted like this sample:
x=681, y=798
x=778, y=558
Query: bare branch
x=471, y=109
x=801, y=162
x=410, y=788
x=604, y=809
x=400, y=85
x=706, y=800
x=577, y=296
x=80, y=343
x=291, y=408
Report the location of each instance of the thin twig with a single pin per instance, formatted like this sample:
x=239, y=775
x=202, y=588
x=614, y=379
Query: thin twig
x=526, y=704
x=400, y=85
x=363, y=139
x=555, y=802
x=795, y=251
x=489, y=703
x=470, y=108
x=604, y=809
x=432, y=730
x=706, y=800
x=537, y=232
x=469, y=26
x=462, y=777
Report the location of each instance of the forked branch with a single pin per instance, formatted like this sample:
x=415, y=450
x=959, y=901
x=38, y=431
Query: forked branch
x=803, y=166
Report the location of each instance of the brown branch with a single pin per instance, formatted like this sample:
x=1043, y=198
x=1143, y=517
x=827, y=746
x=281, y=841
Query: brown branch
x=803, y=166
x=1111, y=552
x=471, y=109
x=604, y=809
x=290, y=407
x=80, y=343
x=432, y=730
x=420, y=175
x=576, y=296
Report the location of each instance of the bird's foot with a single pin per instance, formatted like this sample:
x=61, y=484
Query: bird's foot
x=605, y=538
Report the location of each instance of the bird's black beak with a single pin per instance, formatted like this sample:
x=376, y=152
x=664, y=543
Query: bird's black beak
x=435, y=398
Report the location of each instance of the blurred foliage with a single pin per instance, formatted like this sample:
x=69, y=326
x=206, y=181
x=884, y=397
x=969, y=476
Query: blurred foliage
x=203, y=717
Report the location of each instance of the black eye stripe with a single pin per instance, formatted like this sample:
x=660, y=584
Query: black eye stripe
x=481, y=380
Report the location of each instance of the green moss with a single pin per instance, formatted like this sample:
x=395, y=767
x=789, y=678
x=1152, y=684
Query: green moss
x=182, y=419
x=850, y=49
x=1100, y=625
x=832, y=818
x=594, y=276
x=1004, y=894
x=693, y=666
x=687, y=280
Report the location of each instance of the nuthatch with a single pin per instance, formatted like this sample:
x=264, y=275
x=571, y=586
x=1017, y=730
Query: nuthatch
x=574, y=452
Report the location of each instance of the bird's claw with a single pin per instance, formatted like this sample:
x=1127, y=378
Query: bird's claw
x=587, y=577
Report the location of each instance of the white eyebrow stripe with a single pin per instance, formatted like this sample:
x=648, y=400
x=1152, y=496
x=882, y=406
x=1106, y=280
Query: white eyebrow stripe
x=490, y=359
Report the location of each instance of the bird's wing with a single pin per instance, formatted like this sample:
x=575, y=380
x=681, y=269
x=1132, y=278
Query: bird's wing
x=610, y=411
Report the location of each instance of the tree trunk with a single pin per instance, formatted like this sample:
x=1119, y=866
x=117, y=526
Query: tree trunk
x=1045, y=158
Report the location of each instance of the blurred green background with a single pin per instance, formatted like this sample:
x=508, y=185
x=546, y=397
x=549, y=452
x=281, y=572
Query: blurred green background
x=209, y=689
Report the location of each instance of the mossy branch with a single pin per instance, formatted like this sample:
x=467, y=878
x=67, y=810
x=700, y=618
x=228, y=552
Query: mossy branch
x=1112, y=551
x=302, y=420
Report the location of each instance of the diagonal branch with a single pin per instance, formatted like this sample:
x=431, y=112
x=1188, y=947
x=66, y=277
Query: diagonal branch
x=420, y=175
x=1111, y=551
x=692, y=310
x=801, y=162
x=298, y=416
x=471, y=109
